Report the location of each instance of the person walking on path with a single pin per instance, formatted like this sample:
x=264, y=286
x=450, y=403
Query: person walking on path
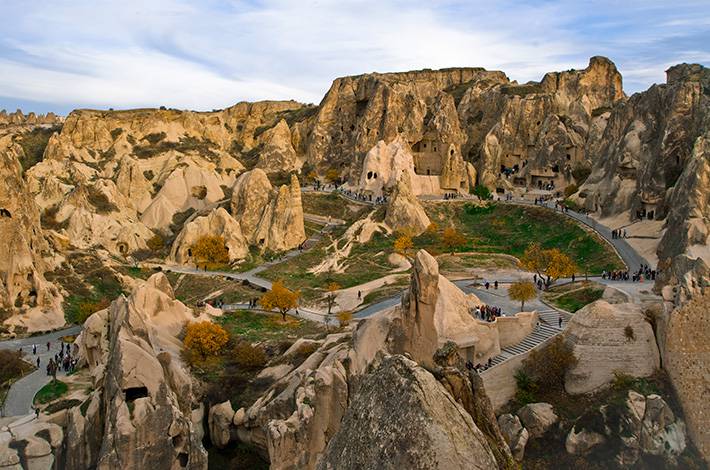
x=559, y=322
x=34, y=349
x=48, y=345
x=38, y=362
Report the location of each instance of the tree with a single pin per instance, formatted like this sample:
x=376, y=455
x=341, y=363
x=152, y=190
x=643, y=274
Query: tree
x=570, y=190
x=482, y=192
x=210, y=250
x=156, y=243
x=522, y=291
x=403, y=245
x=432, y=228
x=280, y=298
x=549, y=264
x=332, y=175
x=345, y=317
x=452, y=238
x=330, y=298
x=204, y=339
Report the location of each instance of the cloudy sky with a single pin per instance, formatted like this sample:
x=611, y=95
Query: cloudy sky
x=57, y=55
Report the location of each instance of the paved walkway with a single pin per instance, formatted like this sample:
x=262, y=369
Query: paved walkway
x=19, y=399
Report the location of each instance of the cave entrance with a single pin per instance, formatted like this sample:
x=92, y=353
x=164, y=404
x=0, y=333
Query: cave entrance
x=134, y=393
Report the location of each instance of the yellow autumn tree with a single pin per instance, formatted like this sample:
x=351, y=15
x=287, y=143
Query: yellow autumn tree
x=452, y=239
x=210, y=251
x=403, y=245
x=550, y=264
x=203, y=340
x=330, y=297
x=345, y=317
x=280, y=298
x=521, y=291
x=332, y=175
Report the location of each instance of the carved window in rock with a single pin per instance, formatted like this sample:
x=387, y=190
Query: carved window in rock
x=134, y=393
x=5, y=213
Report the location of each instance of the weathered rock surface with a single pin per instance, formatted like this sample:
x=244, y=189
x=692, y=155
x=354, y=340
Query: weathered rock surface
x=218, y=223
x=537, y=418
x=642, y=425
x=140, y=413
x=269, y=219
x=608, y=339
x=377, y=429
x=278, y=154
x=404, y=212
x=28, y=443
x=23, y=249
x=514, y=433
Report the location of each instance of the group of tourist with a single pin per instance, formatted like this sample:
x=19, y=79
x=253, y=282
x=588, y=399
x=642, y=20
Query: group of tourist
x=479, y=367
x=487, y=312
x=644, y=272
x=253, y=302
x=62, y=360
x=618, y=233
x=448, y=196
x=358, y=196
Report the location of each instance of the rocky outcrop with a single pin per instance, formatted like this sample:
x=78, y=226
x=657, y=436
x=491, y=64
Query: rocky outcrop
x=269, y=219
x=140, y=412
x=537, y=418
x=23, y=248
x=377, y=429
x=514, y=433
x=217, y=223
x=641, y=425
x=608, y=339
x=404, y=212
x=18, y=118
x=30, y=443
x=277, y=154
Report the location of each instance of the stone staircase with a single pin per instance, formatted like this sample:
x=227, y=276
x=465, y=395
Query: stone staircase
x=548, y=328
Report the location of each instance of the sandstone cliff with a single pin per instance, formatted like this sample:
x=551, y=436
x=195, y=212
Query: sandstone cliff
x=404, y=210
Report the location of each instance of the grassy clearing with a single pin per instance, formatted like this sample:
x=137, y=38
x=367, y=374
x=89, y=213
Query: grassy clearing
x=332, y=205
x=507, y=228
x=574, y=296
x=192, y=288
x=51, y=391
x=256, y=327
x=463, y=262
x=386, y=291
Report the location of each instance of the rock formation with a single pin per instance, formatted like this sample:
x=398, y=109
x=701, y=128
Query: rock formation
x=608, y=339
x=537, y=418
x=140, y=414
x=404, y=210
x=278, y=154
x=269, y=219
x=217, y=223
x=642, y=425
x=23, y=249
x=29, y=443
x=378, y=431
x=514, y=433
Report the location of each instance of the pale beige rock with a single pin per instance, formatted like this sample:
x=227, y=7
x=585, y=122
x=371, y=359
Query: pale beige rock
x=580, y=442
x=598, y=336
x=537, y=418
x=514, y=433
x=278, y=154
x=217, y=223
x=220, y=421
x=404, y=212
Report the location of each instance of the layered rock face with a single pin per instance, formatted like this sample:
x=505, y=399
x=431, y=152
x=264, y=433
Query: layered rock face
x=539, y=129
x=23, y=250
x=269, y=219
x=140, y=414
x=217, y=223
x=608, y=339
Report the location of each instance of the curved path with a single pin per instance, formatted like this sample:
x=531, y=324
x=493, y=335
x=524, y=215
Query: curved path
x=21, y=395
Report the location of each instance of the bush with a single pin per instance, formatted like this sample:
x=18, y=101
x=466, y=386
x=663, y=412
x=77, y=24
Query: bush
x=33, y=145
x=482, y=192
x=570, y=190
x=580, y=174
x=156, y=242
x=546, y=367
x=11, y=365
x=100, y=201
x=248, y=356
x=203, y=340
x=88, y=308
x=345, y=317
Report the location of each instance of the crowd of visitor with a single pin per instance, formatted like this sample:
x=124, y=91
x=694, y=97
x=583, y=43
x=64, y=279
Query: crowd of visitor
x=487, y=312
x=643, y=273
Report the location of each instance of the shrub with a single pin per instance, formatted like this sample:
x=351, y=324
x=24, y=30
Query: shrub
x=482, y=192
x=88, y=308
x=248, y=356
x=570, y=190
x=345, y=317
x=203, y=340
x=33, y=144
x=580, y=174
x=100, y=201
x=11, y=365
x=148, y=174
x=155, y=137
x=629, y=333
x=156, y=242
x=546, y=367
x=452, y=239
x=116, y=132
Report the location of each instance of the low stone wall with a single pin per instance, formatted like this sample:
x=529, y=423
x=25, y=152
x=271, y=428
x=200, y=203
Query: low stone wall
x=512, y=330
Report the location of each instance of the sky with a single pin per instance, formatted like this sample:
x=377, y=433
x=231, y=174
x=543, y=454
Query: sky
x=58, y=55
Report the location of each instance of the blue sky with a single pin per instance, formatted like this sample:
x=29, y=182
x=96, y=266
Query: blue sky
x=57, y=55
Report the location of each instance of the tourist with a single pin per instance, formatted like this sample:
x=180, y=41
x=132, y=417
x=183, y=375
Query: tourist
x=38, y=362
x=48, y=344
x=495, y=285
x=572, y=277
x=359, y=295
x=488, y=285
x=559, y=322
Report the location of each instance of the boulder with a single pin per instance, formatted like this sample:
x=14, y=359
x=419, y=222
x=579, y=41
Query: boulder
x=377, y=429
x=220, y=423
x=582, y=441
x=404, y=212
x=514, y=433
x=608, y=339
x=537, y=418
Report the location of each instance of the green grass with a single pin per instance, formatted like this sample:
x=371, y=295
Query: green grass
x=194, y=288
x=463, y=262
x=572, y=297
x=507, y=228
x=332, y=205
x=255, y=326
x=51, y=392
